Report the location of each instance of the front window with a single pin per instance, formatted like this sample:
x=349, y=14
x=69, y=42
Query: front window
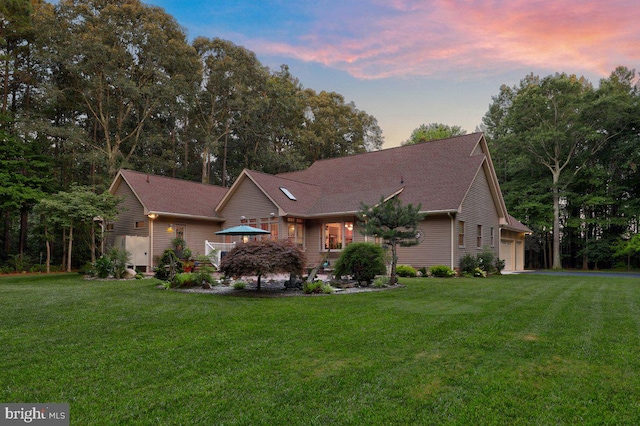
x=479, y=237
x=269, y=224
x=337, y=235
x=295, y=231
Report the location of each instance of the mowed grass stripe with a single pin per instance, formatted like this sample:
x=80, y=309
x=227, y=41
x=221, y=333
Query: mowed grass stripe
x=511, y=349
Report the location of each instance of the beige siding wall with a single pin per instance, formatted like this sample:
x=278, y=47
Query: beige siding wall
x=250, y=202
x=196, y=233
x=435, y=248
x=478, y=209
x=131, y=212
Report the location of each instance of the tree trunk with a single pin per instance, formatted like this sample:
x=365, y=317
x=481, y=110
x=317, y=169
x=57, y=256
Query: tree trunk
x=93, y=241
x=394, y=260
x=24, y=223
x=7, y=232
x=224, y=157
x=205, y=165
x=48, y=246
x=70, y=248
x=556, y=222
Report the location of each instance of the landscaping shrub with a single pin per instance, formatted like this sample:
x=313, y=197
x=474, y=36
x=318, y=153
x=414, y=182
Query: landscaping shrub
x=468, y=264
x=480, y=273
x=166, y=263
x=380, y=282
x=442, y=271
x=362, y=261
x=486, y=261
x=422, y=272
x=103, y=267
x=239, y=285
x=406, y=271
x=185, y=279
x=119, y=259
x=499, y=265
x=312, y=287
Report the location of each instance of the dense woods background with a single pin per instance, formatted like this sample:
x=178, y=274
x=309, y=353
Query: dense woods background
x=88, y=87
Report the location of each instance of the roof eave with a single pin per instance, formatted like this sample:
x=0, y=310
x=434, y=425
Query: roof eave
x=183, y=216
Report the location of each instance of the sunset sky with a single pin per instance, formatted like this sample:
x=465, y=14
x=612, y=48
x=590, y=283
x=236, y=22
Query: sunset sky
x=412, y=62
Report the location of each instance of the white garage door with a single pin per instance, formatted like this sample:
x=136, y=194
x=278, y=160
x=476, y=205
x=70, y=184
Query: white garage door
x=506, y=254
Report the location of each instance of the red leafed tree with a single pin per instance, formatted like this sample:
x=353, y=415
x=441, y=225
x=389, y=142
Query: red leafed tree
x=263, y=257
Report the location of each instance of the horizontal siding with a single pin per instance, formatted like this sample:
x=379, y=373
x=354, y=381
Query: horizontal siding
x=435, y=246
x=478, y=208
x=131, y=211
x=248, y=201
x=196, y=233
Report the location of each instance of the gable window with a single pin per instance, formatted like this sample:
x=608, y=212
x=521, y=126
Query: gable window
x=479, y=237
x=295, y=231
x=337, y=235
x=461, y=233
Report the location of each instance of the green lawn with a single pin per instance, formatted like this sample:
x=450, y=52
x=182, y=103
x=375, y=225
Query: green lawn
x=517, y=349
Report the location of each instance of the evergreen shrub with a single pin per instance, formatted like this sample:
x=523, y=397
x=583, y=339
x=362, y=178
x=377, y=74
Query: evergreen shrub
x=362, y=261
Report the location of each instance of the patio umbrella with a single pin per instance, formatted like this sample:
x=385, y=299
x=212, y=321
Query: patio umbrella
x=242, y=230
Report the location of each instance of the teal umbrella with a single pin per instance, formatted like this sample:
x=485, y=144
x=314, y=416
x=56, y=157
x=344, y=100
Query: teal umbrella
x=243, y=230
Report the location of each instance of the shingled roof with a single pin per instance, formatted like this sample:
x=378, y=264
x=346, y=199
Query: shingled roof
x=436, y=174
x=175, y=197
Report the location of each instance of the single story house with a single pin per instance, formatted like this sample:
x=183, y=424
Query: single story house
x=452, y=179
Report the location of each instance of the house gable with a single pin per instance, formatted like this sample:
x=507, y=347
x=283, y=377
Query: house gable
x=172, y=197
x=246, y=201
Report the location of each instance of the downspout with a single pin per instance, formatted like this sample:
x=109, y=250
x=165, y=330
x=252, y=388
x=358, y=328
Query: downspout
x=453, y=222
x=150, y=257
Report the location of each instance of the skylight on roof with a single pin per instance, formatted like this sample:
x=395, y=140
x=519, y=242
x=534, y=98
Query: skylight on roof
x=288, y=193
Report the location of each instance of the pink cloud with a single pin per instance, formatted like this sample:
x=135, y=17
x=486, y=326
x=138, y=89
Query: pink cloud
x=378, y=39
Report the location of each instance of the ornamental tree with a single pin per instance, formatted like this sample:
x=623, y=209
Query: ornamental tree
x=394, y=223
x=263, y=257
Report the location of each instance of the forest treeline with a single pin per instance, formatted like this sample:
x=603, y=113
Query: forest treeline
x=567, y=157
x=91, y=86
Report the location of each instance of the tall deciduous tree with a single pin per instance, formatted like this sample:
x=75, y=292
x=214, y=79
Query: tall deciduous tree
x=334, y=128
x=395, y=223
x=433, y=131
x=549, y=122
x=128, y=63
x=24, y=179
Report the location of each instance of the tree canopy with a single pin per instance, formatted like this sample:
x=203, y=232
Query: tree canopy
x=565, y=153
x=433, y=131
x=92, y=86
